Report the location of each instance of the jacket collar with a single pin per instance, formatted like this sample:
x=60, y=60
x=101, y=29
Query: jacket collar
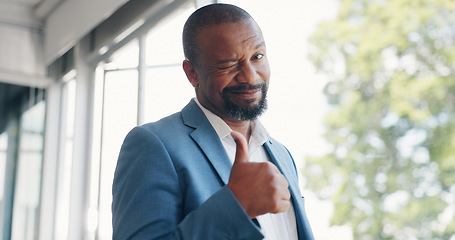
x=207, y=139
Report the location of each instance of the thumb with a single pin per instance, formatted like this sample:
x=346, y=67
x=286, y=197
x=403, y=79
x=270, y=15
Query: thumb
x=241, y=154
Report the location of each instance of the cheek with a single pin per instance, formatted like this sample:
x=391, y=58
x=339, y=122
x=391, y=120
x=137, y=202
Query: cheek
x=213, y=90
x=264, y=70
x=265, y=75
x=217, y=85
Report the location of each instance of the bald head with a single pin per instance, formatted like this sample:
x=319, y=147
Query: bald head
x=209, y=15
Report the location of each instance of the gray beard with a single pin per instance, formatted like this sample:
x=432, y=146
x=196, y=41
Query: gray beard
x=247, y=113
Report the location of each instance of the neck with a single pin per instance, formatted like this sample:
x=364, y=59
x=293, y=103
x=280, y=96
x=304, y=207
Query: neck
x=242, y=127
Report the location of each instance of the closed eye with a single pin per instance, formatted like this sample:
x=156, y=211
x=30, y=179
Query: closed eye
x=224, y=68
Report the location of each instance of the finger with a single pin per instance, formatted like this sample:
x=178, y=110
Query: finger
x=241, y=154
x=284, y=182
x=275, y=169
x=283, y=206
x=286, y=195
x=284, y=192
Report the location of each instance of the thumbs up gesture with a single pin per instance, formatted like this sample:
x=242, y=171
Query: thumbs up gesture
x=259, y=187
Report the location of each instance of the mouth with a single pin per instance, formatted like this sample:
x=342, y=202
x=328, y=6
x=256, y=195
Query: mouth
x=246, y=92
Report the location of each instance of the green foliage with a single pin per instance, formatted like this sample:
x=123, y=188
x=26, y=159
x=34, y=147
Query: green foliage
x=391, y=70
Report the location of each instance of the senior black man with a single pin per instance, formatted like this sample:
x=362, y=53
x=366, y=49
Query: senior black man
x=212, y=171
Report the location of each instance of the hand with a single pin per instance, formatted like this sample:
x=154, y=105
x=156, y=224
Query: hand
x=259, y=187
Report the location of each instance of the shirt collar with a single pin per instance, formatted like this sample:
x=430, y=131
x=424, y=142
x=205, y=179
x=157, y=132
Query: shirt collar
x=259, y=134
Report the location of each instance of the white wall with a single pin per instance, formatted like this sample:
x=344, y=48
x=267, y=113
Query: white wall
x=29, y=43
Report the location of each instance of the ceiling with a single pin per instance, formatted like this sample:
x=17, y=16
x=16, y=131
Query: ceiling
x=26, y=12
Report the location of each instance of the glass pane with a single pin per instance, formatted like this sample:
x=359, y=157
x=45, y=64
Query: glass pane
x=70, y=107
x=167, y=91
x=391, y=126
x=119, y=117
x=65, y=160
x=125, y=57
x=164, y=42
x=28, y=176
x=92, y=217
x=3, y=154
x=3, y=147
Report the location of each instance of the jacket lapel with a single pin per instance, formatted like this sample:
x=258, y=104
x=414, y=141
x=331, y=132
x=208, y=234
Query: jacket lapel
x=208, y=141
x=281, y=158
x=284, y=162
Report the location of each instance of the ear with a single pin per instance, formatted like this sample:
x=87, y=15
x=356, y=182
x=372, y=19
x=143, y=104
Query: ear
x=191, y=73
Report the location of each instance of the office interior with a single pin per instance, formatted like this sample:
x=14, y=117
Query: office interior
x=73, y=81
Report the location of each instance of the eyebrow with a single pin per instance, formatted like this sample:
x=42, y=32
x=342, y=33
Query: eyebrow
x=261, y=44
x=232, y=60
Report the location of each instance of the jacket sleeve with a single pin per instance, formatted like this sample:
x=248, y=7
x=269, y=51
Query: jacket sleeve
x=148, y=199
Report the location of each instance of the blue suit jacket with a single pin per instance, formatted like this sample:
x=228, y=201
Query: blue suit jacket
x=170, y=183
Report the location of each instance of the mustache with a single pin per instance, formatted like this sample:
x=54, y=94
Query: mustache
x=244, y=87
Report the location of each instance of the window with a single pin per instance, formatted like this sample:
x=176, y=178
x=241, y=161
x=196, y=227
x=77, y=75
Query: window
x=116, y=104
x=118, y=99
x=28, y=176
x=167, y=89
x=119, y=116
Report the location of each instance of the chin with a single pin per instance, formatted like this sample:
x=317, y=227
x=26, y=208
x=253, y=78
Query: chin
x=250, y=111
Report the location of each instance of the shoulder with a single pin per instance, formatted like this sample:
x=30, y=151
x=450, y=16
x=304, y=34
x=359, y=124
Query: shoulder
x=165, y=129
x=164, y=124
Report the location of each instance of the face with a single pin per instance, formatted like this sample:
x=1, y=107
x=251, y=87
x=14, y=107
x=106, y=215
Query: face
x=232, y=74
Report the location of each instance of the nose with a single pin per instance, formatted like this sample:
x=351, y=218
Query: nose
x=247, y=73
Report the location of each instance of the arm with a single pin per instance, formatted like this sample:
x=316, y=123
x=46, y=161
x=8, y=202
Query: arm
x=148, y=199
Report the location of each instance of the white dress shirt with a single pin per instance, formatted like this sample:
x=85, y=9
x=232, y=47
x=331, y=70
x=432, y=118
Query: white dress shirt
x=281, y=226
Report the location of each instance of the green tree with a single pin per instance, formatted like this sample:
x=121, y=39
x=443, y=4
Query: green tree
x=391, y=70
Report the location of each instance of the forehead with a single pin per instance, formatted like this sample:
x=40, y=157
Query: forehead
x=229, y=35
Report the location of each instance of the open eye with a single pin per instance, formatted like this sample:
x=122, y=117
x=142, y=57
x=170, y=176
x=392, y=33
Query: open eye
x=258, y=56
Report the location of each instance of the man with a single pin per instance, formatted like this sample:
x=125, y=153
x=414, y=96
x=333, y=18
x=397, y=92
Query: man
x=211, y=171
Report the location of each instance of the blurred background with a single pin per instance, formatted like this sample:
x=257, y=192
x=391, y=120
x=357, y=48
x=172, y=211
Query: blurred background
x=362, y=93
